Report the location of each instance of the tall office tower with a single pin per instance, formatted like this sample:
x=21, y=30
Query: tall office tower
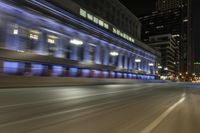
x=166, y=44
x=162, y=5
x=172, y=17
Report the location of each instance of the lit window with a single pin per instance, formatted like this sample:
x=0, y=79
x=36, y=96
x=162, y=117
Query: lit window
x=51, y=39
x=159, y=27
x=90, y=17
x=100, y=22
x=76, y=42
x=82, y=12
x=15, y=31
x=127, y=37
x=96, y=20
x=124, y=35
x=114, y=30
x=34, y=35
x=121, y=34
x=118, y=32
x=105, y=25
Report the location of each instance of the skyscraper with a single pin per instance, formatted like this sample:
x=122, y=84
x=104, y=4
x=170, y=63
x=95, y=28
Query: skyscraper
x=172, y=17
x=162, y=5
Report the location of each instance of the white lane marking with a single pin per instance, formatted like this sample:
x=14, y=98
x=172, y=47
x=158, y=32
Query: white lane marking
x=69, y=98
x=157, y=121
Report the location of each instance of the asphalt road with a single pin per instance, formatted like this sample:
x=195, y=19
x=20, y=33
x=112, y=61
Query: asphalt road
x=137, y=108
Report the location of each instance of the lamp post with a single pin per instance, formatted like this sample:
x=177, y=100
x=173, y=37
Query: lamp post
x=159, y=70
x=114, y=55
x=137, y=61
x=151, y=67
x=76, y=42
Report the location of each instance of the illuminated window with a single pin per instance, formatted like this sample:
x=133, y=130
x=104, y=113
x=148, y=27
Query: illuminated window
x=114, y=30
x=34, y=35
x=15, y=31
x=82, y=12
x=124, y=36
x=105, y=25
x=96, y=20
x=51, y=39
x=90, y=17
x=100, y=22
x=118, y=32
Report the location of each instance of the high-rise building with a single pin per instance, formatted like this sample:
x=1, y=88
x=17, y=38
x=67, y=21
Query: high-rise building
x=166, y=44
x=162, y=5
x=171, y=17
x=195, y=36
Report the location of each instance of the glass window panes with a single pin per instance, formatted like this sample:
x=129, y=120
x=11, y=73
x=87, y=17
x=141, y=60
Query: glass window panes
x=34, y=34
x=90, y=17
x=51, y=39
x=96, y=20
x=114, y=30
x=82, y=12
x=13, y=29
x=100, y=22
x=105, y=25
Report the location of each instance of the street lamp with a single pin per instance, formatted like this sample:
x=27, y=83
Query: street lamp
x=151, y=65
x=113, y=53
x=113, y=58
x=166, y=69
x=76, y=42
x=159, y=69
x=137, y=61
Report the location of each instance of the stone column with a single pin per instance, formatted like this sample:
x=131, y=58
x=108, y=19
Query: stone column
x=86, y=54
x=106, y=56
x=60, y=49
x=14, y=42
x=98, y=55
x=120, y=61
x=134, y=63
x=131, y=63
x=42, y=46
x=59, y=53
x=126, y=62
x=74, y=53
x=148, y=68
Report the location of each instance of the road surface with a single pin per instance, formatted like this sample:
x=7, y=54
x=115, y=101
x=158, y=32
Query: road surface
x=132, y=108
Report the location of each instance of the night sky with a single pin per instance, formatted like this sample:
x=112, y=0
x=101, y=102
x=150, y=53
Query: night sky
x=196, y=28
x=140, y=7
